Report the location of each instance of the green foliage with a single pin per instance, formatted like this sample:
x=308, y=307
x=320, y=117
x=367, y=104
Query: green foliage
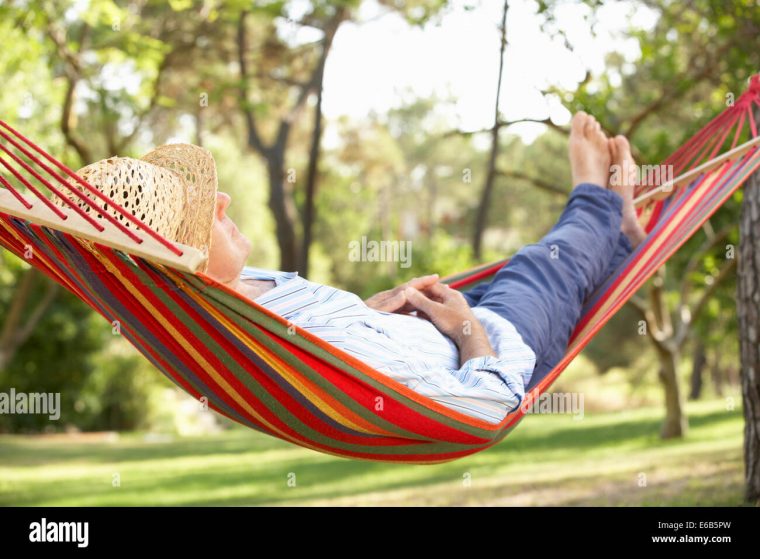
x=120, y=394
x=56, y=358
x=417, y=12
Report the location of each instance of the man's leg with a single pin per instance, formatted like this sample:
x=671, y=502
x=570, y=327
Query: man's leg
x=473, y=295
x=542, y=289
x=622, y=251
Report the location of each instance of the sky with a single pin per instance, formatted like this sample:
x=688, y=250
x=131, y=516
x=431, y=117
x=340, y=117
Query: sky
x=379, y=60
x=373, y=64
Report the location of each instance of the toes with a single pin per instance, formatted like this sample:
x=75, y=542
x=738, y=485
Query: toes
x=579, y=122
x=622, y=146
x=625, y=159
x=614, y=165
x=590, y=127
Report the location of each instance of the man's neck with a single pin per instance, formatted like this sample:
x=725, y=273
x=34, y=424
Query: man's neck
x=250, y=288
x=233, y=284
x=253, y=288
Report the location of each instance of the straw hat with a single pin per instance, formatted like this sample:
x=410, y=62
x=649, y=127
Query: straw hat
x=171, y=189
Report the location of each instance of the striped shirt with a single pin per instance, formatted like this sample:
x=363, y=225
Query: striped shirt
x=407, y=348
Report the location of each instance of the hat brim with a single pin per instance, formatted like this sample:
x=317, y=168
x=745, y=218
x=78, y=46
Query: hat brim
x=196, y=167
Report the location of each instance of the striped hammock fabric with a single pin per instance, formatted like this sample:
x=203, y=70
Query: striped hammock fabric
x=253, y=367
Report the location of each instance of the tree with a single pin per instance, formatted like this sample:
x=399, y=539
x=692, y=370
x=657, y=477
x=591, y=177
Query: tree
x=748, y=309
x=293, y=252
x=284, y=73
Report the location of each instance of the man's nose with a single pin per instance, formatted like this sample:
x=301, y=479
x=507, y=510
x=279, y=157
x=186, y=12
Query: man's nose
x=223, y=201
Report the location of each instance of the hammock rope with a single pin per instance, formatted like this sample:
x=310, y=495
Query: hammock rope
x=253, y=367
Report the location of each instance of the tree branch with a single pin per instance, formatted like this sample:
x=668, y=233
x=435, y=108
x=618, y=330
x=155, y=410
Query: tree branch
x=505, y=124
x=713, y=239
x=653, y=332
x=675, y=92
x=152, y=104
x=254, y=139
x=73, y=71
x=542, y=184
x=315, y=79
x=693, y=314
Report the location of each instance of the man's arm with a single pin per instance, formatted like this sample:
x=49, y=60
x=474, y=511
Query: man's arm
x=474, y=344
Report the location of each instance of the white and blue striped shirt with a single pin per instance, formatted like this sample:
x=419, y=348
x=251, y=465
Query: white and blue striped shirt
x=407, y=348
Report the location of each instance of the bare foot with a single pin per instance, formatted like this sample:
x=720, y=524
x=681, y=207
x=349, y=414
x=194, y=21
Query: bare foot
x=589, y=151
x=623, y=181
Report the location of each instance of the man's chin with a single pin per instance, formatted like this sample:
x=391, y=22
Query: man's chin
x=245, y=247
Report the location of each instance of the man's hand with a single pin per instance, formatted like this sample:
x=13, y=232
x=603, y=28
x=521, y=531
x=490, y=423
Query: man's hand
x=449, y=311
x=446, y=308
x=394, y=300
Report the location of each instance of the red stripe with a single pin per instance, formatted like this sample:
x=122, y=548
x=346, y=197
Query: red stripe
x=474, y=278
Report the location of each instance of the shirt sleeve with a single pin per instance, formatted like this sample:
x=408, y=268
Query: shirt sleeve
x=494, y=371
x=486, y=387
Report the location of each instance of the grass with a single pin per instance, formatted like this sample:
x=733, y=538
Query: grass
x=604, y=459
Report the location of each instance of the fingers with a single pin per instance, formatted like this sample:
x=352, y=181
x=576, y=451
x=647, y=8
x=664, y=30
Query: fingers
x=420, y=301
x=422, y=282
x=392, y=303
x=445, y=292
x=440, y=291
x=394, y=299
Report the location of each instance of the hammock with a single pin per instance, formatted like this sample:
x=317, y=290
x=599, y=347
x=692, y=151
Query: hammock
x=253, y=367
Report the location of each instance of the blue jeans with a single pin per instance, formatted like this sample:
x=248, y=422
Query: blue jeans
x=542, y=289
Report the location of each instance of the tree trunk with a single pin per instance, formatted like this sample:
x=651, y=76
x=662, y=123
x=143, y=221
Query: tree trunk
x=281, y=201
x=481, y=218
x=718, y=374
x=316, y=141
x=312, y=173
x=284, y=212
x=661, y=332
x=698, y=366
x=748, y=309
x=675, y=424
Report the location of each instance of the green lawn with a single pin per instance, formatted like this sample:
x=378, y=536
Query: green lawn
x=548, y=460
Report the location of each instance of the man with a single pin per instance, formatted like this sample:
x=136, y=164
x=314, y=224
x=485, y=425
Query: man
x=474, y=352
